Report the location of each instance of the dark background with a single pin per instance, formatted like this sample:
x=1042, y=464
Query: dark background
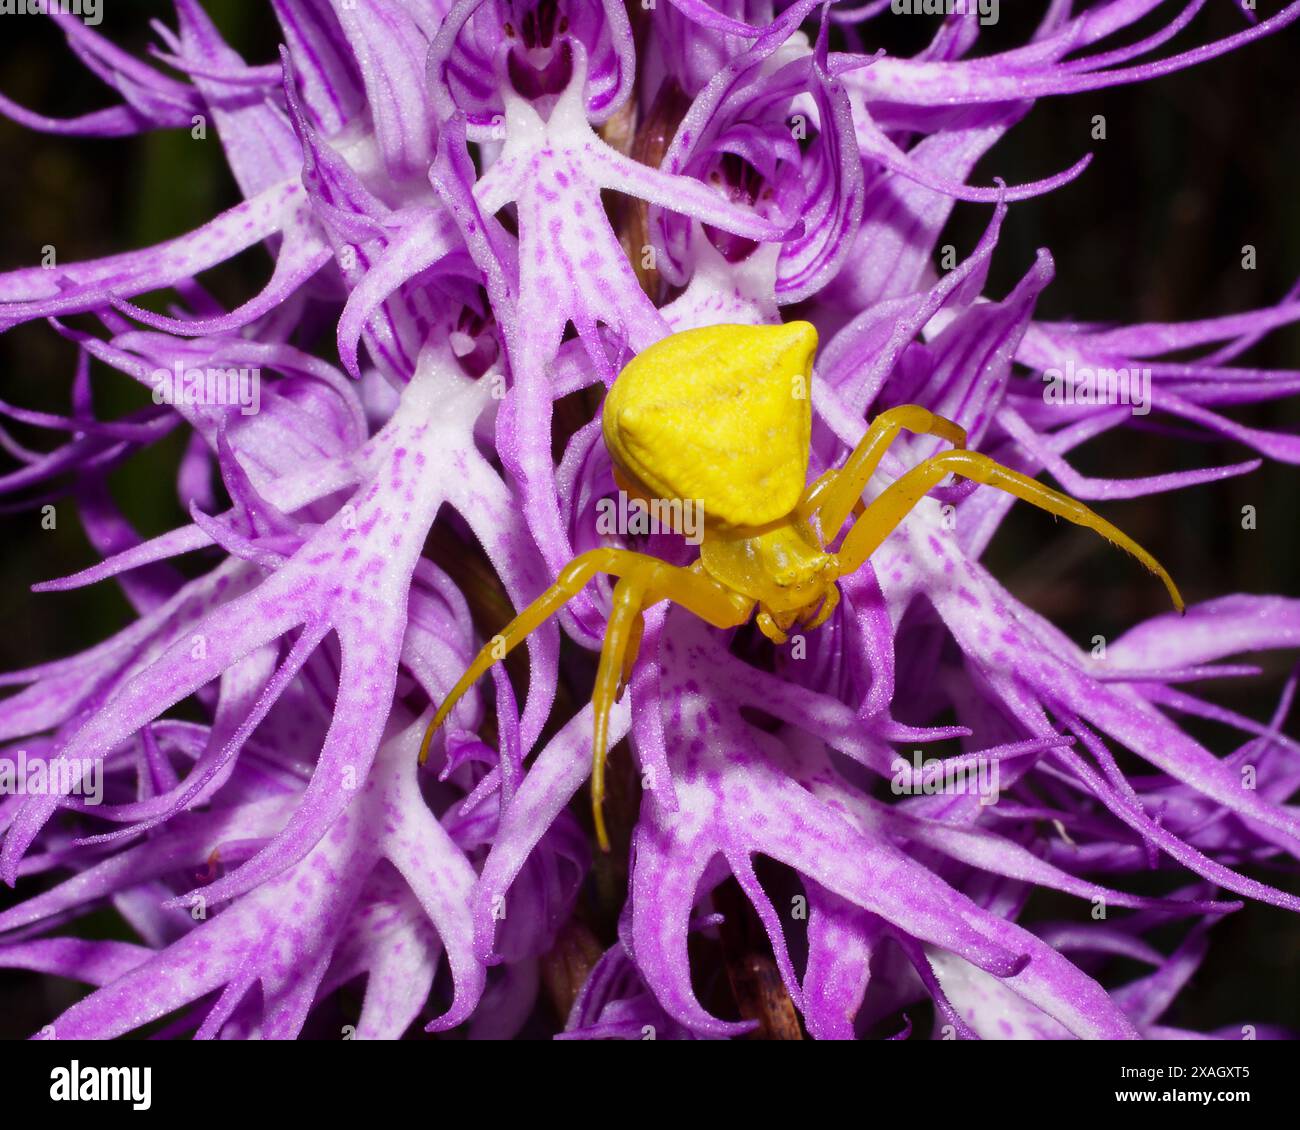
x=1195, y=165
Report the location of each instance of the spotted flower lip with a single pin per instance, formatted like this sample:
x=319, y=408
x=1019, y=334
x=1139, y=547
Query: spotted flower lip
x=476, y=214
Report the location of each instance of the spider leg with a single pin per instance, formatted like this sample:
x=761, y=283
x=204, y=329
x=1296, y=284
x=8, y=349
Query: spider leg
x=635, y=632
x=897, y=500
x=644, y=580
x=615, y=657
x=570, y=582
x=836, y=494
x=769, y=627
x=814, y=492
x=828, y=605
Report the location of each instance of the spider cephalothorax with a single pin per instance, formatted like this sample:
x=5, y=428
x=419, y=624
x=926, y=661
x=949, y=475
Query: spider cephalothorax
x=721, y=416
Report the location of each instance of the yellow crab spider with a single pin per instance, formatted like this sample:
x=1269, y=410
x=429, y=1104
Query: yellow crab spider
x=721, y=415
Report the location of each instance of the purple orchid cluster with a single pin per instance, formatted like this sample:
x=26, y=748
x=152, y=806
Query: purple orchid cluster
x=491, y=205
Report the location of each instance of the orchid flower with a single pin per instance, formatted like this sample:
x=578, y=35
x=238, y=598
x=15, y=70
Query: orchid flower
x=490, y=207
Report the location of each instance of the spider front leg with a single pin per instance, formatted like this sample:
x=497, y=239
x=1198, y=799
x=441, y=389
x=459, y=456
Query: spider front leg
x=644, y=580
x=569, y=583
x=616, y=659
x=648, y=582
x=835, y=495
x=897, y=500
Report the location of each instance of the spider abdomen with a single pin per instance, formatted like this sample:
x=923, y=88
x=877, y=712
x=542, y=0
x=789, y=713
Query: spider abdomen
x=719, y=415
